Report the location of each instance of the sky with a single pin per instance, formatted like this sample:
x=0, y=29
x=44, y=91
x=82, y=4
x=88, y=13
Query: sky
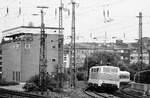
x=90, y=26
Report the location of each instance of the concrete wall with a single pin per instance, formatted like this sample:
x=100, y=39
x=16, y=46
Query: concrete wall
x=30, y=58
x=25, y=58
x=11, y=55
x=52, y=51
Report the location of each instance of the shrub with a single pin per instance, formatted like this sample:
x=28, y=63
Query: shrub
x=33, y=84
x=6, y=83
x=33, y=80
x=80, y=76
x=30, y=87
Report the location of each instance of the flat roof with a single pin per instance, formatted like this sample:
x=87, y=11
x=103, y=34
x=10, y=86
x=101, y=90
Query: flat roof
x=30, y=29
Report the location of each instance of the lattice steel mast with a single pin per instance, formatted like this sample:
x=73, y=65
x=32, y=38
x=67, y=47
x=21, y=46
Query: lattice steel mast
x=60, y=44
x=140, y=49
x=73, y=54
x=43, y=55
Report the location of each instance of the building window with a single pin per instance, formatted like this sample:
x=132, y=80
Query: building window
x=13, y=75
x=0, y=57
x=53, y=60
x=19, y=76
x=59, y=45
x=27, y=46
x=141, y=57
x=53, y=46
x=0, y=63
x=65, y=58
x=0, y=69
x=16, y=76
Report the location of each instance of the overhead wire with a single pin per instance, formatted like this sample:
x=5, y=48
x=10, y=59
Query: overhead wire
x=126, y=28
x=96, y=10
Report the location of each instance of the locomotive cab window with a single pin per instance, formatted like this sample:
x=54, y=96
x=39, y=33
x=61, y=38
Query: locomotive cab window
x=91, y=70
x=94, y=70
x=97, y=69
x=106, y=69
x=114, y=70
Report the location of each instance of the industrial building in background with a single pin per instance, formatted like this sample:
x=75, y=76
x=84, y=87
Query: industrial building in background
x=21, y=52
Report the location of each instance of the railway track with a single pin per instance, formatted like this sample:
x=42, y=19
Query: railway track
x=121, y=93
x=5, y=93
x=124, y=94
x=4, y=96
x=95, y=94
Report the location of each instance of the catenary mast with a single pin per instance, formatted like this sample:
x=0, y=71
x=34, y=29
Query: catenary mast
x=73, y=54
x=43, y=55
x=60, y=45
x=140, y=50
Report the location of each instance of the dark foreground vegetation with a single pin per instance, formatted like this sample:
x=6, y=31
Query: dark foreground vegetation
x=3, y=82
x=51, y=83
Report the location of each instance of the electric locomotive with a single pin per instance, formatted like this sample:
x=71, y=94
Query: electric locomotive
x=104, y=76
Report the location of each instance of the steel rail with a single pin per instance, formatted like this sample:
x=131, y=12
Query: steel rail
x=20, y=93
x=123, y=94
x=3, y=96
x=85, y=91
x=105, y=95
x=130, y=95
x=97, y=94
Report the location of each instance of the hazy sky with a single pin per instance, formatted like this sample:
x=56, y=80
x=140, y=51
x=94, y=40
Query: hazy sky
x=89, y=17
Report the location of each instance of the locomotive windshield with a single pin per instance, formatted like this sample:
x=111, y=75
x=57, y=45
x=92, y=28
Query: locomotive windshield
x=110, y=70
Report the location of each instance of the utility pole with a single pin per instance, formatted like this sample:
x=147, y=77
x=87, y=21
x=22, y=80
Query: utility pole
x=140, y=54
x=73, y=54
x=60, y=46
x=140, y=50
x=43, y=55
